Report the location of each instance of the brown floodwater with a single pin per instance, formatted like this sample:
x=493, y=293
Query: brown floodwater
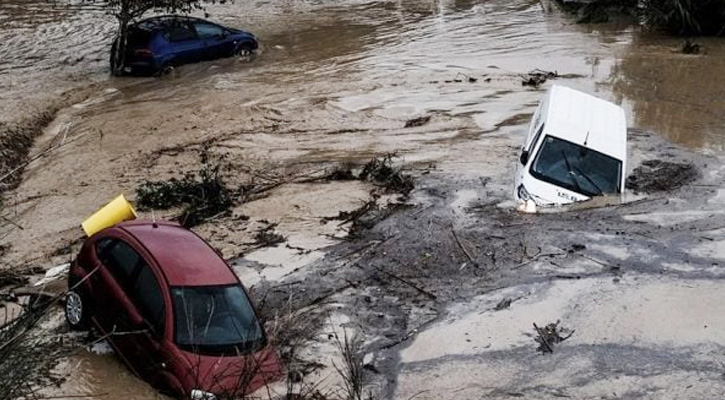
x=346, y=70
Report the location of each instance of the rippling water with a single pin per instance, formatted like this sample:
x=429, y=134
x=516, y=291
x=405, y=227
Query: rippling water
x=48, y=46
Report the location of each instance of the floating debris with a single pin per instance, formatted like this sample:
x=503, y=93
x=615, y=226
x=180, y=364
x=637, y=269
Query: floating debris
x=415, y=122
x=537, y=77
x=691, y=47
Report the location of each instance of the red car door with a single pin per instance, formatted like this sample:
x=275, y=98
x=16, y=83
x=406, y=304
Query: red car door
x=149, y=298
x=113, y=310
x=130, y=306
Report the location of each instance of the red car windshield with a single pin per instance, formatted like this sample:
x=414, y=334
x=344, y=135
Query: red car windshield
x=215, y=320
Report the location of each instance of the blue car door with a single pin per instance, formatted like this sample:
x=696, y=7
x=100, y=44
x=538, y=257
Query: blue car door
x=214, y=38
x=185, y=44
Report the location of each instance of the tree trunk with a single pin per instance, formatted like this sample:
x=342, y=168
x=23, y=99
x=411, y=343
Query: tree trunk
x=118, y=56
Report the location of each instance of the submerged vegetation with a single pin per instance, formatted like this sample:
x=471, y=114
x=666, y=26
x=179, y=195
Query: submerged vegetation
x=202, y=195
x=679, y=17
x=686, y=17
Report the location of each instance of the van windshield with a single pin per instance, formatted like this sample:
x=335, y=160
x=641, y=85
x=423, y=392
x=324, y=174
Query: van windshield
x=215, y=320
x=577, y=168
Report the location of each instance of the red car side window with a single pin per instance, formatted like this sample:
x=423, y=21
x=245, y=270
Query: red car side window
x=120, y=259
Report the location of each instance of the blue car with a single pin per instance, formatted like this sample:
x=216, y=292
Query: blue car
x=157, y=44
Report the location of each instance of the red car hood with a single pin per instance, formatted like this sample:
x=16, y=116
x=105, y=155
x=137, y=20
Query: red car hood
x=228, y=376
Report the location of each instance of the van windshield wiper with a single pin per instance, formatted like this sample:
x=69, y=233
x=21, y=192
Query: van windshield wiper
x=578, y=171
x=571, y=172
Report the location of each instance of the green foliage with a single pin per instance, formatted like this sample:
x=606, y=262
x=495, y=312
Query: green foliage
x=686, y=17
x=128, y=10
x=202, y=195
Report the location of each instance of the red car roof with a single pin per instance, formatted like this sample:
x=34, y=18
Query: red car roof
x=183, y=257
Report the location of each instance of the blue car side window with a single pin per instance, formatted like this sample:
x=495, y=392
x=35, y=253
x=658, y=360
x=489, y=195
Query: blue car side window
x=209, y=31
x=180, y=33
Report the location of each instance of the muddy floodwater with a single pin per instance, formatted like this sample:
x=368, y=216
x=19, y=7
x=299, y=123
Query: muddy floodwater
x=335, y=82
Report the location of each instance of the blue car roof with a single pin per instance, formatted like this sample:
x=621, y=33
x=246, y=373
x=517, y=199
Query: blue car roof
x=162, y=21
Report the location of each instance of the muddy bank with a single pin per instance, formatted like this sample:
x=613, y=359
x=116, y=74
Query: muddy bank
x=17, y=136
x=404, y=282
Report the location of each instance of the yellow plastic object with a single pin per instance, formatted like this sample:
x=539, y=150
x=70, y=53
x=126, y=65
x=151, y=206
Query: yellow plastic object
x=117, y=211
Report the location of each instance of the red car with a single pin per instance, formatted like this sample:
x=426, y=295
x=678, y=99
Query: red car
x=173, y=310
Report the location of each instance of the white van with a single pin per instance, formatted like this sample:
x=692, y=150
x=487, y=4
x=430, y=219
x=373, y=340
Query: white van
x=576, y=148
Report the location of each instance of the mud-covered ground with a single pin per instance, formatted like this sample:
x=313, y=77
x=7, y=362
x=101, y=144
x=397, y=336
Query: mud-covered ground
x=442, y=286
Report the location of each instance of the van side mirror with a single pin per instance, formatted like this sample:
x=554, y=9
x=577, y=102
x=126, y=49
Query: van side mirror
x=524, y=157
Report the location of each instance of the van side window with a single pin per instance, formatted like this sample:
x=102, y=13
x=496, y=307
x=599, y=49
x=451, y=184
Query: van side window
x=536, y=138
x=120, y=259
x=147, y=296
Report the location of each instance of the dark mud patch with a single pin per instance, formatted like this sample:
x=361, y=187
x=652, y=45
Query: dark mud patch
x=659, y=176
x=515, y=120
x=16, y=139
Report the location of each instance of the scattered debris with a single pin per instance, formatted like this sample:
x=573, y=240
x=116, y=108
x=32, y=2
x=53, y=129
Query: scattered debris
x=351, y=371
x=656, y=176
x=380, y=171
x=69, y=248
x=364, y=217
x=550, y=335
x=415, y=122
x=356, y=214
x=690, y=47
x=267, y=237
x=537, y=77
x=202, y=197
x=457, y=79
x=12, y=278
x=460, y=245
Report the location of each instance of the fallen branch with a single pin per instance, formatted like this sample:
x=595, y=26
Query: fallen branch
x=544, y=341
x=411, y=284
x=455, y=236
x=536, y=257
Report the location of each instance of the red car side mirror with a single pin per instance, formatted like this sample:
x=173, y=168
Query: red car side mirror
x=135, y=317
